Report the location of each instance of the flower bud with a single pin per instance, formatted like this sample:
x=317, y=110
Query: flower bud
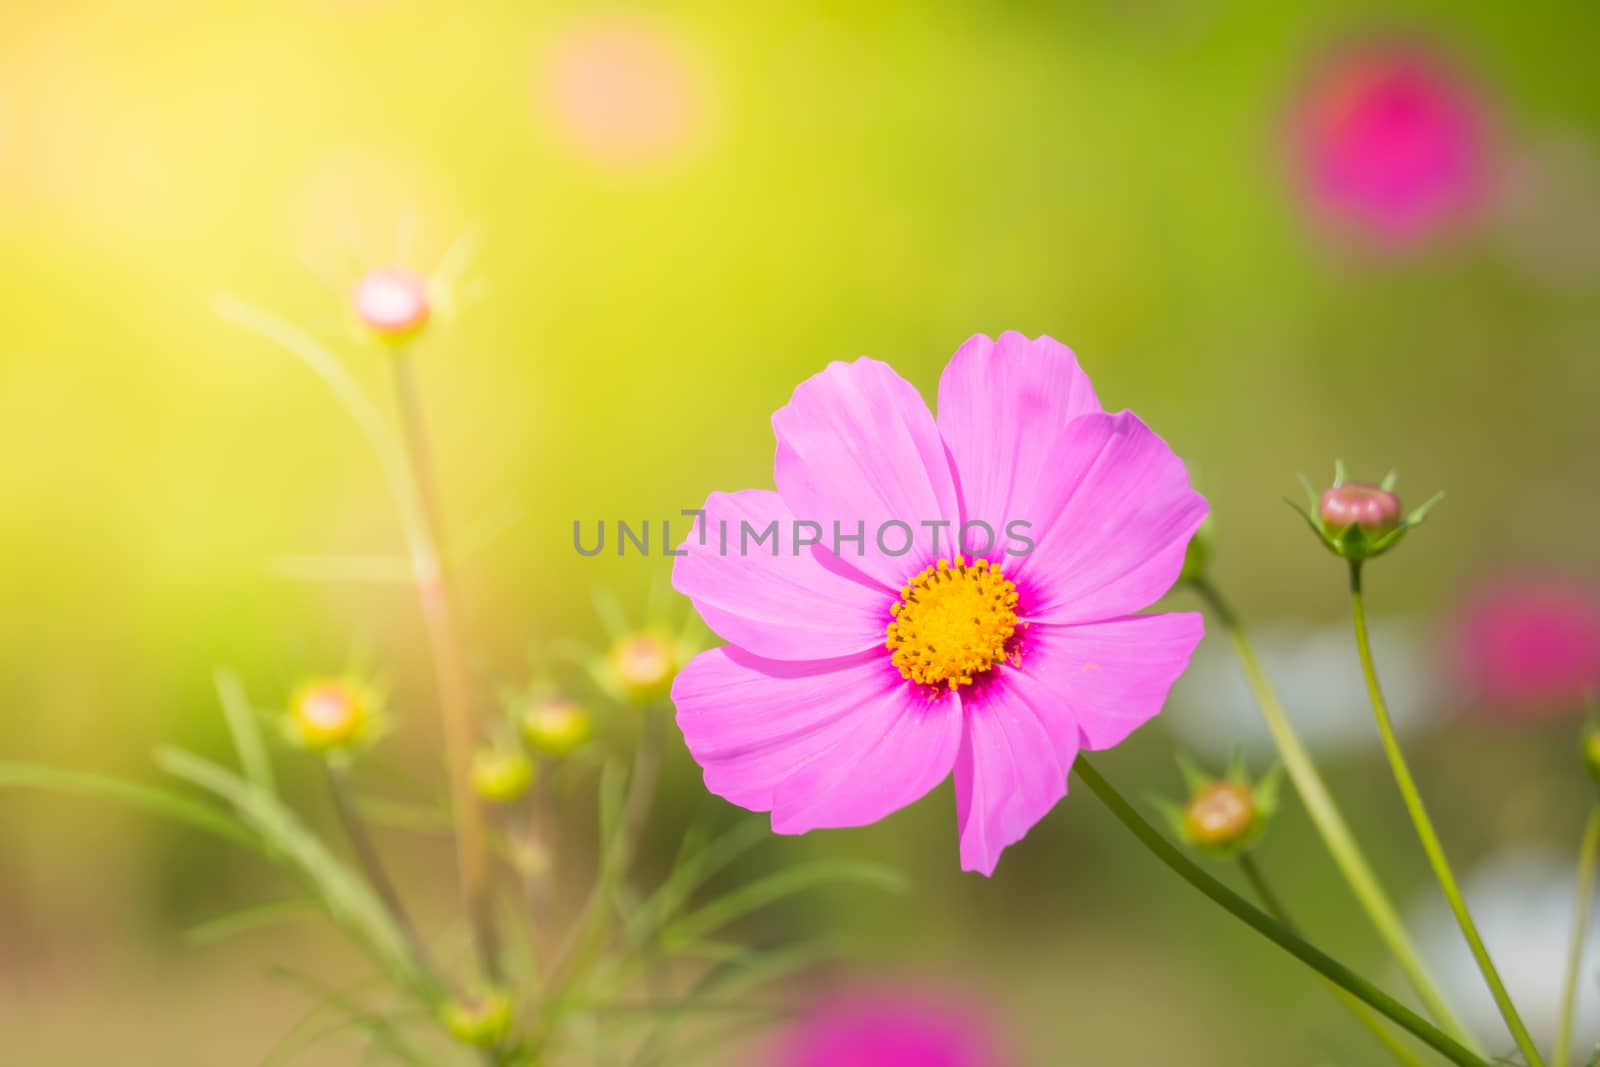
x=1220, y=815
x=501, y=775
x=1223, y=816
x=643, y=664
x=555, y=727
x=481, y=1019
x=1357, y=521
x=328, y=714
x=1371, y=507
x=393, y=304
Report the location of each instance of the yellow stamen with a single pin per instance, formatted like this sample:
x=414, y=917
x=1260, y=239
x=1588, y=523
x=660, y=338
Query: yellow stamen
x=953, y=622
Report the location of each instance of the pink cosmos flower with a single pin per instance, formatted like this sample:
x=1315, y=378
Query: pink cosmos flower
x=1531, y=643
x=888, y=1029
x=1392, y=144
x=861, y=673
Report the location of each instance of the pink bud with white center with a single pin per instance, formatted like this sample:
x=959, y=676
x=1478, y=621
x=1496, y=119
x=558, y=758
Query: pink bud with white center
x=392, y=303
x=1374, y=509
x=326, y=714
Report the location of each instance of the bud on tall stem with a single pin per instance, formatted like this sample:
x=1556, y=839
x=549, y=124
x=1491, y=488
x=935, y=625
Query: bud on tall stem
x=455, y=701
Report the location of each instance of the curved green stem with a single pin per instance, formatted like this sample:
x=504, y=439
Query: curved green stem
x=1267, y=926
x=1363, y=1014
x=1330, y=823
x=1426, y=833
x=1588, y=854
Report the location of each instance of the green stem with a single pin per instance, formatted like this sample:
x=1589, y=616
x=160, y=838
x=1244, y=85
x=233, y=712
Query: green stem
x=1425, y=830
x=1330, y=822
x=1363, y=1014
x=371, y=862
x=1258, y=883
x=450, y=670
x=1267, y=926
x=1588, y=854
x=586, y=938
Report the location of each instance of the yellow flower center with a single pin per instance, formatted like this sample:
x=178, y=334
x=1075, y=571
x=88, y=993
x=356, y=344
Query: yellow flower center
x=953, y=622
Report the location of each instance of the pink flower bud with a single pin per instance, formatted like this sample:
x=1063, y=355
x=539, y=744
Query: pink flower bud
x=644, y=664
x=1354, y=504
x=392, y=303
x=330, y=713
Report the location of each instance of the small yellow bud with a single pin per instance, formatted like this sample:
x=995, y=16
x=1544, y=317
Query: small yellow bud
x=555, y=727
x=644, y=664
x=501, y=775
x=1220, y=814
x=481, y=1019
x=330, y=713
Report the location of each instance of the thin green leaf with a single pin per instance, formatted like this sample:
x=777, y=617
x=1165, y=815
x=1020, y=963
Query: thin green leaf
x=1268, y=788
x=245, y=730
x=1311, y=491
x=1195, y=778
x=150, y=799
x=1238, y=769
x=350, y=1013
x=1306, y=515
x=1420, y=512
x=693, y=872
x=613, y=793
x=252, y=917
x=348, y=899
x=767, y=891
x=752, y=969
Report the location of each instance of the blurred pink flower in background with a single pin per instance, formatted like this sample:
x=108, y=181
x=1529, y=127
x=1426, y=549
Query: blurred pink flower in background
x=1530, y=643
x=623, y=91
x=1391, y=144
x=890, y=1028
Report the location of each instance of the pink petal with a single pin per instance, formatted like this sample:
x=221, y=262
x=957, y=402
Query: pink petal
x=1000, y=403
x=829, y=743
x=857, y=447
x=1106, y=679
x=901, y=747
x=1112, y=516
x=1011, y=770
x=768, y=597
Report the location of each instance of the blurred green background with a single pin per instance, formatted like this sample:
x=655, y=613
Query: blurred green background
x=655, y=273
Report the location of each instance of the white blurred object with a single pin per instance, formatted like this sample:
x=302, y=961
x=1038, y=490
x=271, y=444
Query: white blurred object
x=1317, y=675
x=1523, y=901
